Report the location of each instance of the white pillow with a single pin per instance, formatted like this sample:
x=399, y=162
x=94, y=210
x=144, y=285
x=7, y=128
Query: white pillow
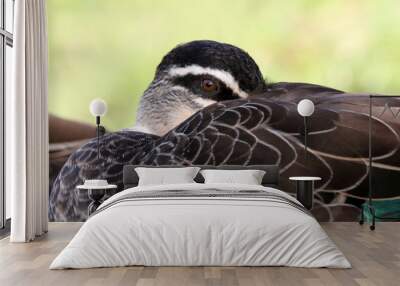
x=163, y=176
x=248, y=177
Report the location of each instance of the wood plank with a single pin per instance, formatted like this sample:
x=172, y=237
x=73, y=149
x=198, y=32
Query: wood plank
x=375, y=257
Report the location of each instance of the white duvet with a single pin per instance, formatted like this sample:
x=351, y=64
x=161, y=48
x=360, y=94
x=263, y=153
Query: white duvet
x=200, y=231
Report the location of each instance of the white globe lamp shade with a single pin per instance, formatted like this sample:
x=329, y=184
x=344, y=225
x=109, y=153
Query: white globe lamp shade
x=305, y=107
x=98, y=107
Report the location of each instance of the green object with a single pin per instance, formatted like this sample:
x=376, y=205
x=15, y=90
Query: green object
x=384, y=210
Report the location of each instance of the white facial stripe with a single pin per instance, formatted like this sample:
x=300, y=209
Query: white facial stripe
x=223, y=76
x=204, y=102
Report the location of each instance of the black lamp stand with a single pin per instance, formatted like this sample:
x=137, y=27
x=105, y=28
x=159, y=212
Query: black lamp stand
x=370, y=206
x=98, y=136
x=100, y=131
x=305, y=139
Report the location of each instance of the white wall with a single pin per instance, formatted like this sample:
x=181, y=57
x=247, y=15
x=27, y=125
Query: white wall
x=9, y=71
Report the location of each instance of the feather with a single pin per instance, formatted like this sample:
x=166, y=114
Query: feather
x=263, y=129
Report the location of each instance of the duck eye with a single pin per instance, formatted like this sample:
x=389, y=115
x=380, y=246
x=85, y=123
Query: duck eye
x=209, y=85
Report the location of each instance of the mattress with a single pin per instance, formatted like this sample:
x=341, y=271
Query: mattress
x=201, y=225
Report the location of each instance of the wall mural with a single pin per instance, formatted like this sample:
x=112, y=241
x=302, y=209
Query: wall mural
x=209, y=104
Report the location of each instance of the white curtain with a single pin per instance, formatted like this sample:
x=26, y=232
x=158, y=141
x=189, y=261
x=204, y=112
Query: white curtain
x=27, y=124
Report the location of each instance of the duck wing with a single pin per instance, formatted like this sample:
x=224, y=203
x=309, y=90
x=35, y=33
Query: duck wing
x=117, y=149
x=267, y=129
x=263, y=129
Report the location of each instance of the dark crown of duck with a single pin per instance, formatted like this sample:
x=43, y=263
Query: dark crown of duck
x=192, y=76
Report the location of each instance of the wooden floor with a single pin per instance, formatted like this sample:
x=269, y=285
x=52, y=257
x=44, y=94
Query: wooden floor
x=375, y=257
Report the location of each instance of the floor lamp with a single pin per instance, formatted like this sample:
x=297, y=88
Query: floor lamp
x=305, y=184
x=387, y=108
x=98, y=108
x=305, y=108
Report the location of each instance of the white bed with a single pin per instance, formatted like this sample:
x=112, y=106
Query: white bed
x=185, y=230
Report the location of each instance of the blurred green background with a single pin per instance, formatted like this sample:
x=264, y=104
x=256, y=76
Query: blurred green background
x=110, y=49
